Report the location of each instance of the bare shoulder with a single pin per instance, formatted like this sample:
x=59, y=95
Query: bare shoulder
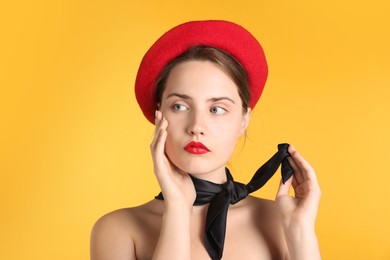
x=115, y=235
x=128, y=217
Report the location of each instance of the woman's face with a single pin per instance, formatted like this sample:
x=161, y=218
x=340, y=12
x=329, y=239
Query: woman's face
x=202, y=105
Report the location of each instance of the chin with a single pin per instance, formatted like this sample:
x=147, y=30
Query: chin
x=191, y=168
x=198, y=167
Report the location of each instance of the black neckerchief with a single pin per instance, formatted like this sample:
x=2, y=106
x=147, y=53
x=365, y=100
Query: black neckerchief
x=220, y=196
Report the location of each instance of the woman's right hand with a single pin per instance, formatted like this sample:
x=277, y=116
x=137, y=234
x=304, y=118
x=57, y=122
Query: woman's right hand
x=176, y=185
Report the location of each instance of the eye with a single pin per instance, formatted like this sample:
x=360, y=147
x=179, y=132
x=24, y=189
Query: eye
x=179, y=107
x=218, y=110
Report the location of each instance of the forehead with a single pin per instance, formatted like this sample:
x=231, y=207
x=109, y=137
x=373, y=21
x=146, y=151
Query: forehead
x=197, y=78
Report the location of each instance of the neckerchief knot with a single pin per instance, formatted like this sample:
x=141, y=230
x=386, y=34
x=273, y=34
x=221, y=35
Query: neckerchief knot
x=236, y=190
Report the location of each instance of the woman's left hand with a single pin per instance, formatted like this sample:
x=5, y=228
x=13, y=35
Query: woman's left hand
x=301, y=210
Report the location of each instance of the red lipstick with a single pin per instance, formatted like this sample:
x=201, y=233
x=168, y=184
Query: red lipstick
x=196, y=148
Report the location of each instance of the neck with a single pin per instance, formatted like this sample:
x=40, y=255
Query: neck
x=217, y=176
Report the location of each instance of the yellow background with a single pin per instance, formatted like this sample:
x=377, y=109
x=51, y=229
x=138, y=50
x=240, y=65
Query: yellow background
x=74, y=144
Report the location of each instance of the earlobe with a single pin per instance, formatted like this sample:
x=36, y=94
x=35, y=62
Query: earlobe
x=245, y=121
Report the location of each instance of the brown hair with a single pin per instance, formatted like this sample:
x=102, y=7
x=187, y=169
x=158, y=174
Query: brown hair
x=222, y=59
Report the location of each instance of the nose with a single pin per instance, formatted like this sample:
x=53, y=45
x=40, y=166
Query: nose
x=197, y=131
x=196, y=124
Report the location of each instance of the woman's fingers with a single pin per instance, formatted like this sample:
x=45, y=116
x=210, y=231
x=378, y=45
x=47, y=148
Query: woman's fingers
x=157, y=122
x=297, y=171
x=161, y=126
x=304, y=180
x=158, y=144
x=302, y=166
x=161, y=136
x=305, y=184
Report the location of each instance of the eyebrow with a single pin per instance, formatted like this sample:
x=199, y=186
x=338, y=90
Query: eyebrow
x=179, y=95
x=214, y=99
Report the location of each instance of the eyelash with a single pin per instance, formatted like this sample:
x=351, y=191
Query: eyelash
x=175, y=107
x=221, y=108
x=178, y=108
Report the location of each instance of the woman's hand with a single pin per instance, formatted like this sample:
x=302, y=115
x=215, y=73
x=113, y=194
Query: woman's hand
x=301, y=209
x=299, y=213
x=179, y=196
x=176, y=186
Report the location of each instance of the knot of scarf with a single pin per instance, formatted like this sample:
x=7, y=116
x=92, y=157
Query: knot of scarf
x=237, y=191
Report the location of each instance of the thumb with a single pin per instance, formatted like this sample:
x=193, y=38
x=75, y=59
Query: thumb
x=284, y=188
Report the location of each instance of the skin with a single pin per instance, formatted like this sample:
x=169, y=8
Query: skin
x=201, y=103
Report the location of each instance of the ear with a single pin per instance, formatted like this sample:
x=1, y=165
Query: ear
x=245, y=121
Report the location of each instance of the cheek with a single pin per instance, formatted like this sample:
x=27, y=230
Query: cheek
x=224, y=134
x=231, y=128
x=174, y=126
x=230, y=141
x=230, y=137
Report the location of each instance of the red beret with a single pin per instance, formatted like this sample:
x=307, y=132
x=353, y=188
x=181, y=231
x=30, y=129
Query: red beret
x=224, y=35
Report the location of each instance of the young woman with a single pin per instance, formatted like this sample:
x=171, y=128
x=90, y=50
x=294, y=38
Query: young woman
x=198, y=84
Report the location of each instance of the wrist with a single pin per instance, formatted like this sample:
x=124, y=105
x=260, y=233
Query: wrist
x=177, y=209
x=299, y=233
x=175, y=233
x=178, y=202
x=302, y=242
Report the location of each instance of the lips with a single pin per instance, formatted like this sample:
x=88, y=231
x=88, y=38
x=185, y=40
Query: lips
x=196, y=148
